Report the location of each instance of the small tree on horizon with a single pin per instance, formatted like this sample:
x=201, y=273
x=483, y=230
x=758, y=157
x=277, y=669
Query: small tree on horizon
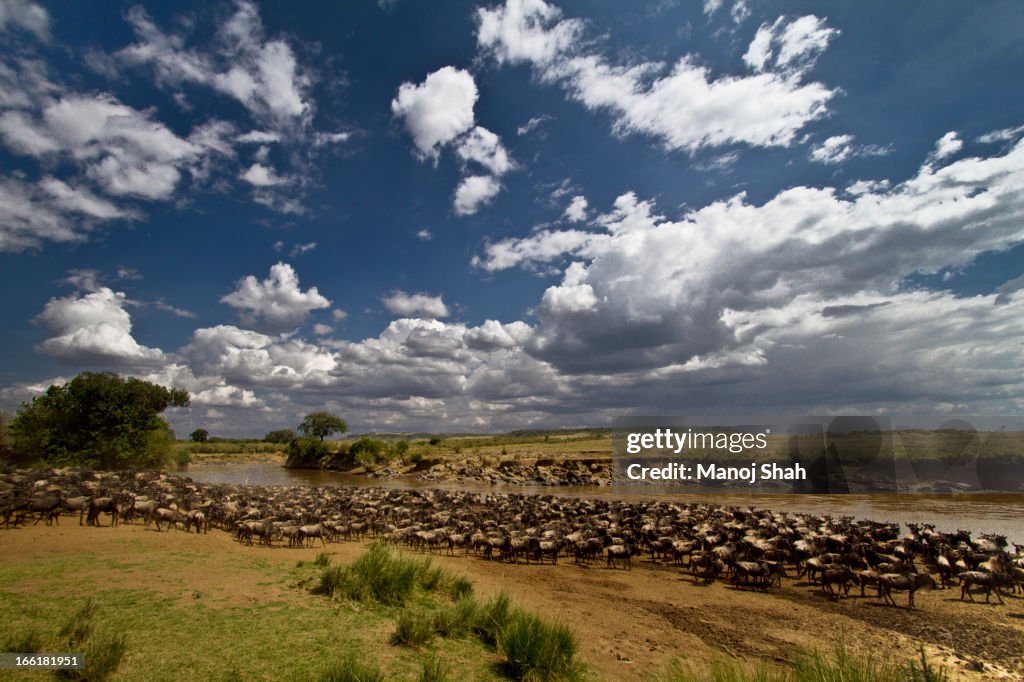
x=200, y=436
x=322, y=424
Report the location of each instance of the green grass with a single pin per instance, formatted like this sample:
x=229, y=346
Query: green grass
x=170, y=634
x=414, y=628
x=382, y=575
x=434, y=670
x=535, y=649
x=352, y=668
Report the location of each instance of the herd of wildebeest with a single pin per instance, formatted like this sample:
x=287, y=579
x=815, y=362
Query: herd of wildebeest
x=747, y=547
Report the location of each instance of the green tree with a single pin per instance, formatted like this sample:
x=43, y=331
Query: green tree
x=322, y=424
x=200, y=436
x=280, y=436
x=98, y=420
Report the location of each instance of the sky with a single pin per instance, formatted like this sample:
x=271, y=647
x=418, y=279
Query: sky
x=486, y=216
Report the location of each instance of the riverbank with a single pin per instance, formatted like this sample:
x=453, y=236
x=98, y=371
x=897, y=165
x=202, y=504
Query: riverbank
x=206, y=607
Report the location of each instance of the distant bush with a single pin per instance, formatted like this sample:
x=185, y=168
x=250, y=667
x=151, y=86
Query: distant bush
x=199, y=436
x=367, y=450
x=416, y=457
x=306, y=453
x=435, y=441
x=282, y=436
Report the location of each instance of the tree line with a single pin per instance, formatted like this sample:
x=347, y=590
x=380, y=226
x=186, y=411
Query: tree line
x=104, y=421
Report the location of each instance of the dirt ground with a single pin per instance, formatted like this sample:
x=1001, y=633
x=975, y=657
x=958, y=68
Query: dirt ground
x=630, y=623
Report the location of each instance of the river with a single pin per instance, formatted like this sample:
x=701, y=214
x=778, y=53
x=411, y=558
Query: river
x=1001, y=513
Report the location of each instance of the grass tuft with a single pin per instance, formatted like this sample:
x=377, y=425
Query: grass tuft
x=383, y=575
x=492, y=618
x=461, y=587
x=413, y=628
x=24, y=642
x=537, y=650
x=458, y=619
x=322, y=560
x=351, y=669
x=434, y=670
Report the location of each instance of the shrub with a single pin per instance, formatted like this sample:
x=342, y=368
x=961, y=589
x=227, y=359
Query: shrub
x=367, y=450
x=304, y=453
x=199, y=436
x=535, y=649
x=458, y=619
x=322, y=560
x=492, y=617
x=413, y=628
x=281, y=436
x=461, y=587
x=416, y=457
x=381, y=574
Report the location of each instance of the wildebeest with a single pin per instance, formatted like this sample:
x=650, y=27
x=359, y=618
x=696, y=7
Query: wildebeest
x=911, y=582
x=990, y=581
x=100, y=505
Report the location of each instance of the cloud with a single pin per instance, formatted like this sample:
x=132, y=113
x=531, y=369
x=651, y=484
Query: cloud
x=322, y=329
x=791, y=46
x=482, y=147
x=277, y=304
x=339, y=314
x=839, y=148
x=424, y=235
x=475, y=191
x=263, y=75
x=27, y=16
x=533, y=124
x=50, y=210
x=1007, y=290
x=300, y=249
x=437, y=110
x=947, y=145
x=259, y=175
x=648, y=292
x=93, y=329
x=439, y=113
x=247, y=358
x=416, y=305
x=121, y=148
x=576, y=211
x=1003, y=135
x=683, y=105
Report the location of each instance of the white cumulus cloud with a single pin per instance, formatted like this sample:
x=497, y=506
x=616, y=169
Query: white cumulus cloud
x=416, y=305
x=277, y=303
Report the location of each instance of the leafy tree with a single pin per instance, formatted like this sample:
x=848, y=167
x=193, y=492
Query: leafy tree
x=200, y=436
x=280, y=436
x=322, y=424
x=98, y=420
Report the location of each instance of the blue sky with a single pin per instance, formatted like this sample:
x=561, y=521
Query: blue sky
x=490, y=216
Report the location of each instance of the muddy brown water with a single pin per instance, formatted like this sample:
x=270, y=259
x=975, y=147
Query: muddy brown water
x=1001, y=513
